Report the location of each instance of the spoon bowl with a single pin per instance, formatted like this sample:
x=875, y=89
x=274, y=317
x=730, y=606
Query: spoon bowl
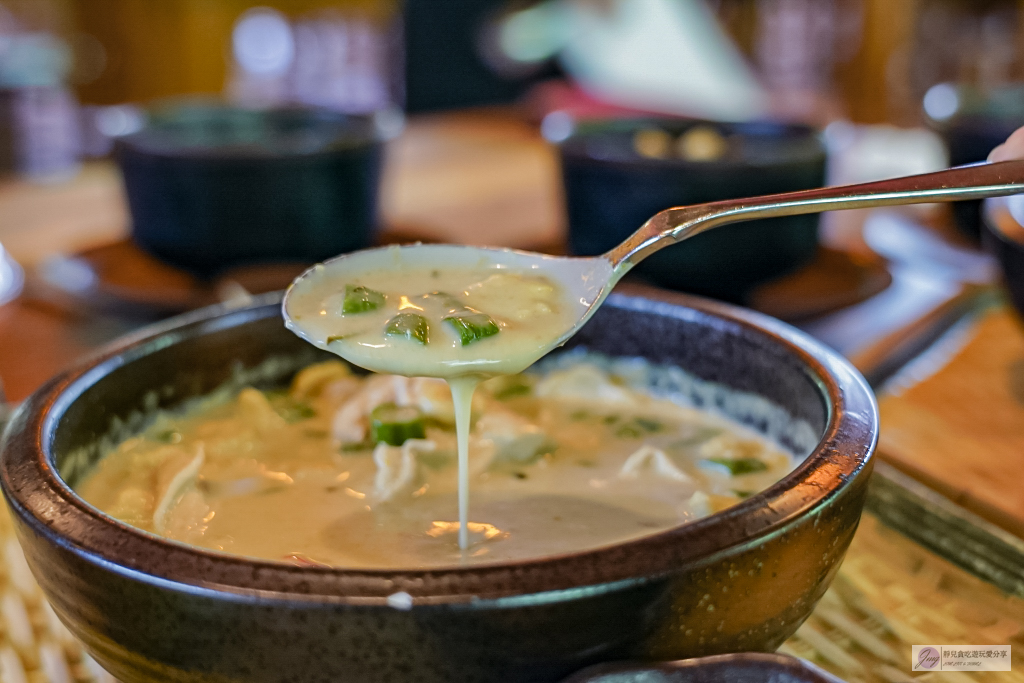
x=585, y=282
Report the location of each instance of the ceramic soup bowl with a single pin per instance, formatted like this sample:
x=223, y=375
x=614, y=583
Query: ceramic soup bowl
x=151, y=609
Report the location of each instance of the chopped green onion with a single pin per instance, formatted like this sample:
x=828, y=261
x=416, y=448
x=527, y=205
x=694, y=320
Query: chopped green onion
x=512, y=391
x=168, y=436
x=637, y=427
x=629, y=431
x=356, y=446
x=504, y=388
x=738, y=466
x=648, y=425
x=361, y=300
x=472, y=326
x=409, y=325
x=292, y=410
x=742, y=494
x=394, y=425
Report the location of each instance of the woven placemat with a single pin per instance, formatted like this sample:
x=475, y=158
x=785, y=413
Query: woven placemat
x=891, y=594
x=35, y=647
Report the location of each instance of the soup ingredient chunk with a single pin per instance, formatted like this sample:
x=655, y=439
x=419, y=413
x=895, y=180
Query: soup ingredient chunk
x=360, y=471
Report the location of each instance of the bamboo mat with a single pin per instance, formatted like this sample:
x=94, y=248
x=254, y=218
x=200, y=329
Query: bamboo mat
x=889, y=594
x=960, y=428
x=35, y=647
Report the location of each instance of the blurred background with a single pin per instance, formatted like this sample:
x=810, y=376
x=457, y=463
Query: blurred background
x=875, y=58
x=157, y=156
x=867, y=61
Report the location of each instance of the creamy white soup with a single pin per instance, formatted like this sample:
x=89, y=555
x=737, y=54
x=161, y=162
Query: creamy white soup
x=438, y=311
x=353, y=470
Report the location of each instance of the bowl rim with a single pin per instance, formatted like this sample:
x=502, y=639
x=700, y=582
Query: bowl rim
x=350, y=134
x=50, y=509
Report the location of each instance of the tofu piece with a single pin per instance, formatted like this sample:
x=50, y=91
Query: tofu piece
x=650, y=460
x=398, y=470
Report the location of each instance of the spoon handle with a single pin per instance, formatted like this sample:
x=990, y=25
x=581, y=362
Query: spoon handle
x=667, y=227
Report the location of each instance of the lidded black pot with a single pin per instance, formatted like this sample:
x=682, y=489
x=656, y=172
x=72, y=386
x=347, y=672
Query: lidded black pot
x=211, y=186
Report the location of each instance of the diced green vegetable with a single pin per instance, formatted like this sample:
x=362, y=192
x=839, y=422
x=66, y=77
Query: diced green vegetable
x=513, y=390
x=742, y=494
x=472, y=326
x=738, y=466
x=637, y=427
x=511, y=386
x=168, y=436
x=629, y=431
x=360, y=300
x=648, y=425
x=292, y=410
x=357, y=446
x=394, y=425
x=410, y=326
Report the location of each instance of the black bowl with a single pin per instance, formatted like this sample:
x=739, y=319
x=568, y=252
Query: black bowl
x=980, y=122
x=611, y=190
x=211, y=186
x=1003, y=235
x=151, y=609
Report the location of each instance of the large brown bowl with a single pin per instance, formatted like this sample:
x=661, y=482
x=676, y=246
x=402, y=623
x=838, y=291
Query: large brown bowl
x=149, y=609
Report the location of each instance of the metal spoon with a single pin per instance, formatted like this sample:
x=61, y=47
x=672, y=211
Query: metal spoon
x=589, y=280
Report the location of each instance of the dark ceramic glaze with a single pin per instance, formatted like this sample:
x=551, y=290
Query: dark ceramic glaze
x=745, y=667
x=210, y=187
x=1008, y=252
x=611, y=191
x=149, y=609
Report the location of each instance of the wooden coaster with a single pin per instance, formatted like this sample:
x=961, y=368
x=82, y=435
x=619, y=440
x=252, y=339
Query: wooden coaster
x=122, y=279
x=834, y=280
x=961, y=430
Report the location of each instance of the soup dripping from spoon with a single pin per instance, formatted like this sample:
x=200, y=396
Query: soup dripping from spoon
x=381, y=309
